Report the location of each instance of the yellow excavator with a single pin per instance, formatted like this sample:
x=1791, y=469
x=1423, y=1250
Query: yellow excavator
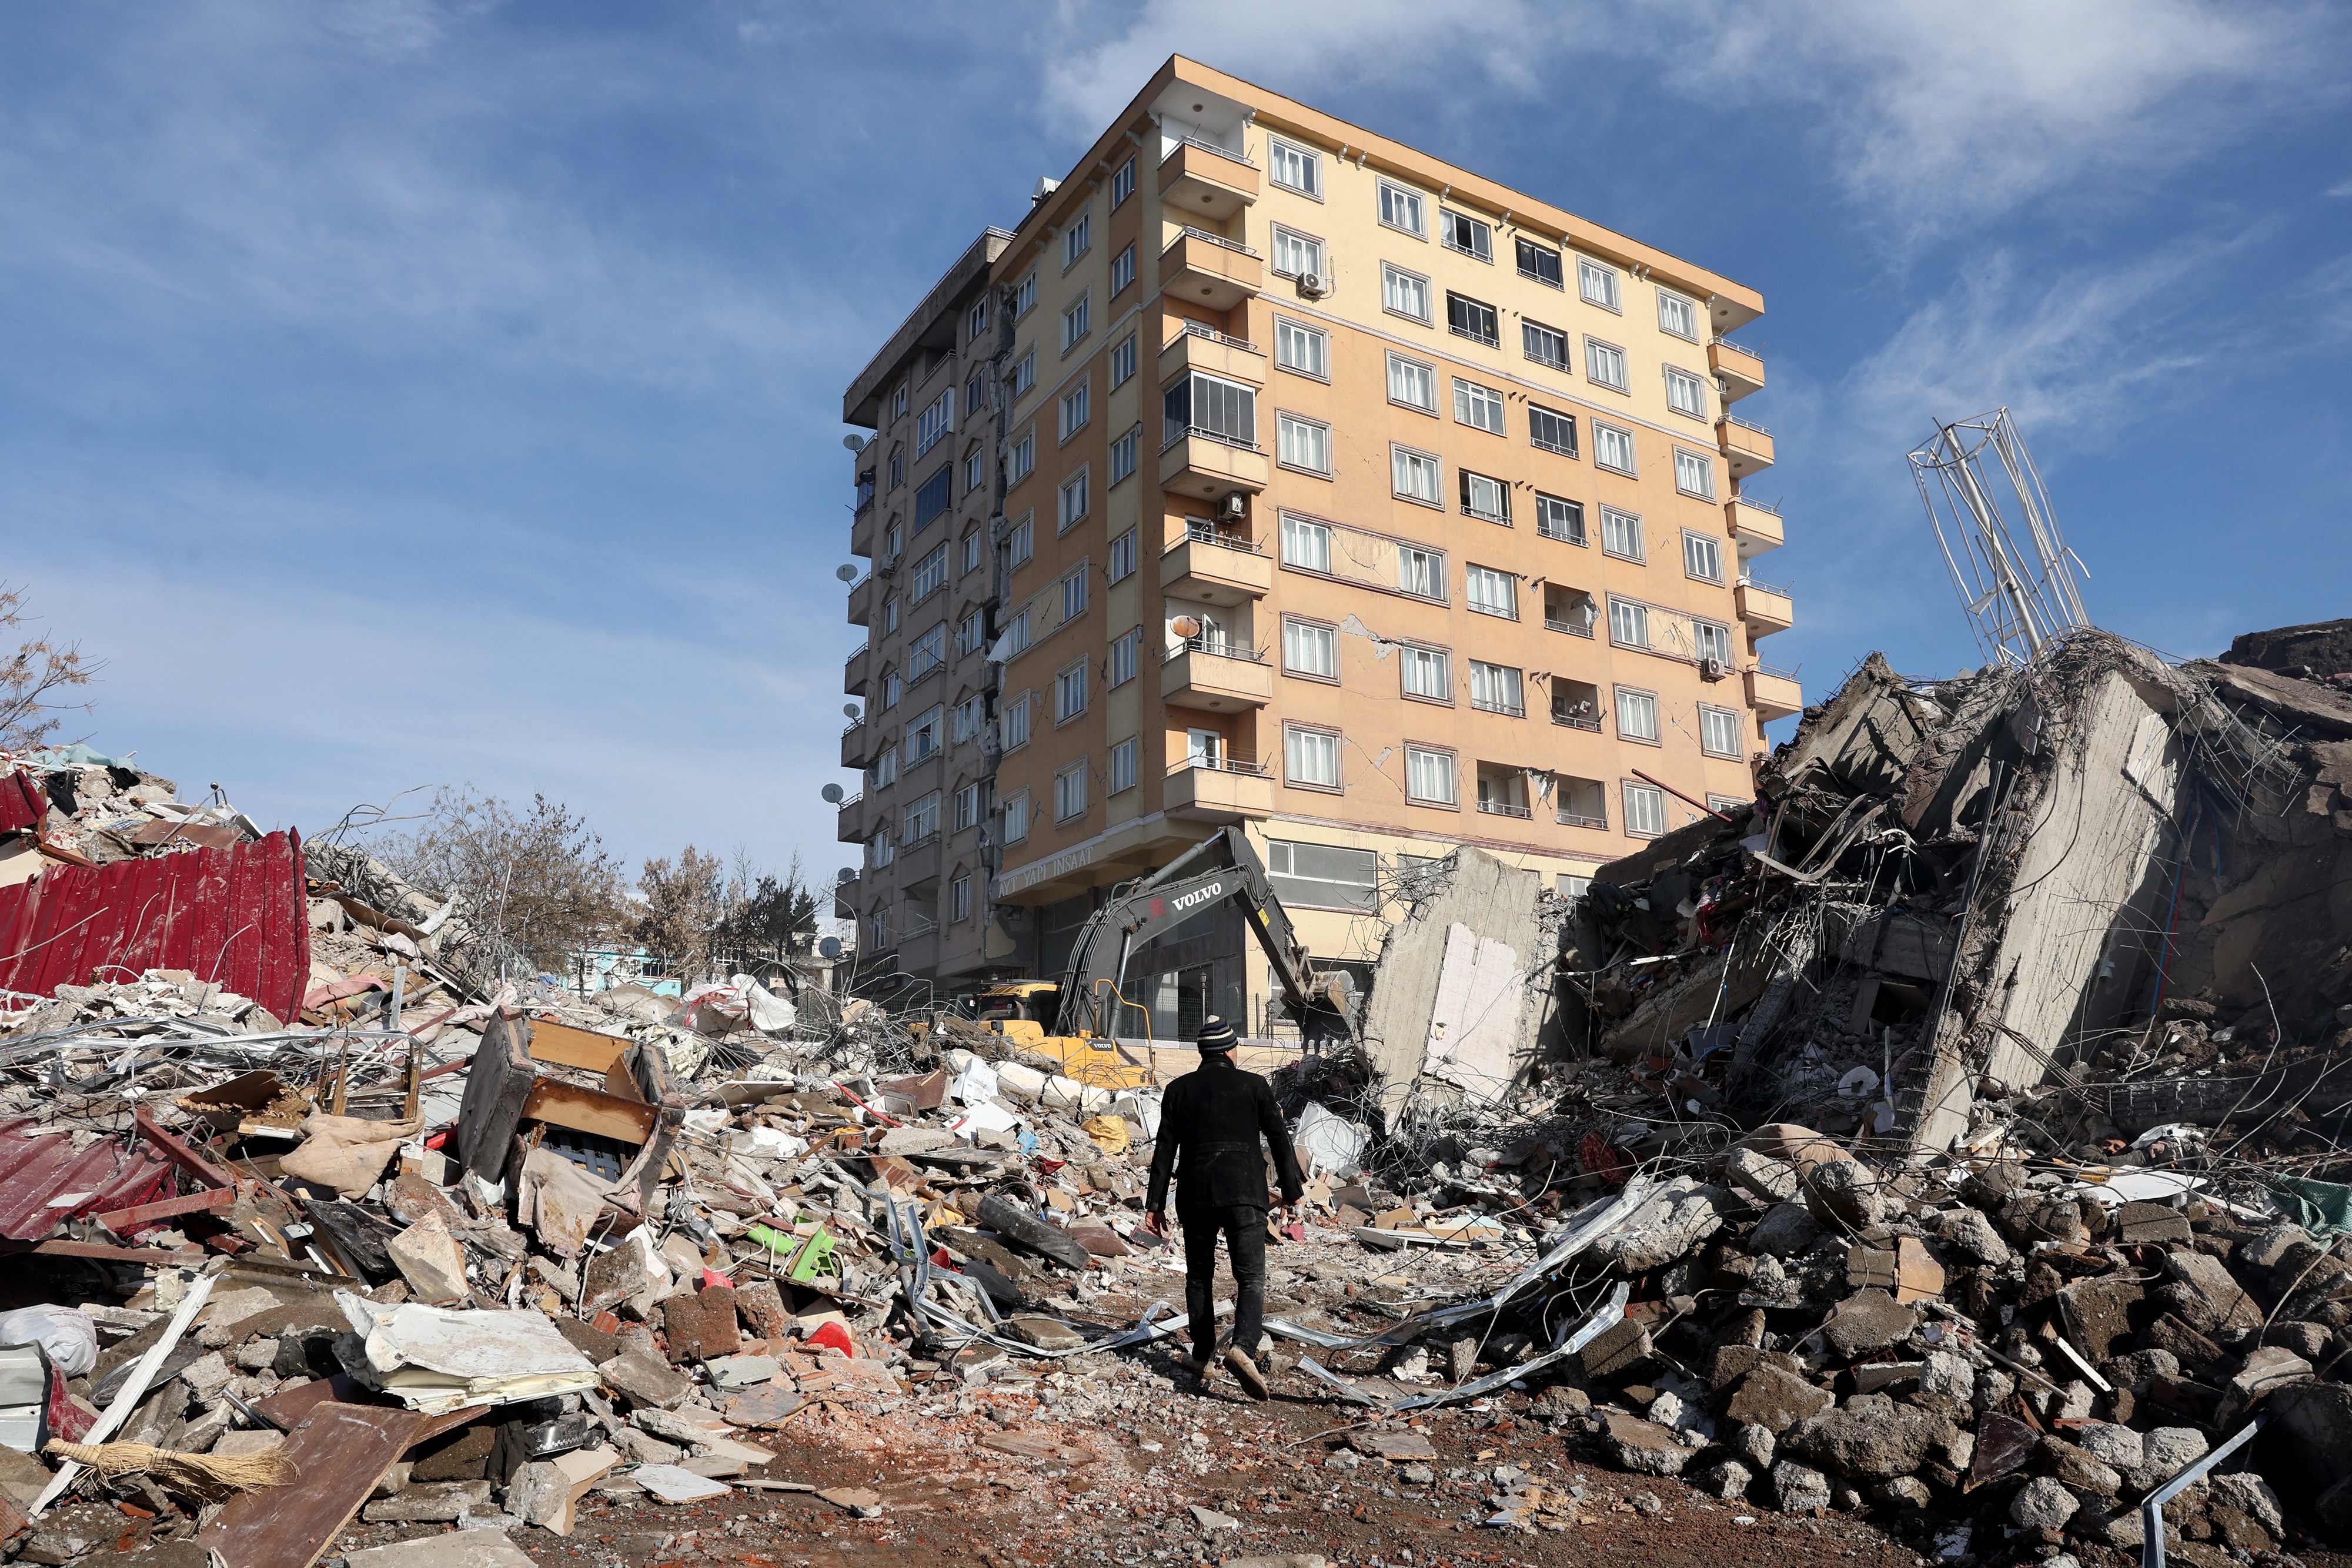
x=1077, y=1020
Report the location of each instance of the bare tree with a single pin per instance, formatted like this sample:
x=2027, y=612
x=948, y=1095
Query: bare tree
x=537, y=878
x=33, y=678
x=682, y=907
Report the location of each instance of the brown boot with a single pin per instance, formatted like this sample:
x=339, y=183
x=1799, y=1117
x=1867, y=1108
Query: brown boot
x=1244, y=1368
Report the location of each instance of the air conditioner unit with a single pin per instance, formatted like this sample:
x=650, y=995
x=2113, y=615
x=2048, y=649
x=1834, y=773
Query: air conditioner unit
x=1234, y=507
x=1313, y=285
x=1712, y=669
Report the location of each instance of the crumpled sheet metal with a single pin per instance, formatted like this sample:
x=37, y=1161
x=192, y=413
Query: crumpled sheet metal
x=39, y=1172
x=1607, y=1316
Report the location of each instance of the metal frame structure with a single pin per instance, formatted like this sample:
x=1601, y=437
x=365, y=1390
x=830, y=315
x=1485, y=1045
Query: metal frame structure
x=2015, y=575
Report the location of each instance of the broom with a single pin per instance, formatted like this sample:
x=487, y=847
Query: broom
x=209, y=1478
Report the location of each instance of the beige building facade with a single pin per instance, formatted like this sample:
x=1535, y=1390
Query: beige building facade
x=1356, y=499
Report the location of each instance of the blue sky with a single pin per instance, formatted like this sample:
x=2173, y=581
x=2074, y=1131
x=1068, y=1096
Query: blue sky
x=410, y=392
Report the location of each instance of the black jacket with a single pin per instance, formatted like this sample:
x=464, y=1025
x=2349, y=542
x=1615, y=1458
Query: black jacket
x=1210, y=1123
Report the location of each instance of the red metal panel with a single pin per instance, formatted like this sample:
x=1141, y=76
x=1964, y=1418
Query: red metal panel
x=44, y=1181
x=239, y=916
x=22, y=804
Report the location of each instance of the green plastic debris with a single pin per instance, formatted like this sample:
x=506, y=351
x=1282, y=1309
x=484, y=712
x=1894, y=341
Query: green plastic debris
x=2322, y=1207
x=810, y=1258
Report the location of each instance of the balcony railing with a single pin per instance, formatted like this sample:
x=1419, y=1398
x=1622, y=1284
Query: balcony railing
x=919, y=841
x=1745, y=424
x=1207, y=147
x=1177, y=432
x=1241, y=764
x=1578, y=626
x=1216, y=649
x=1738, y=348
x=1495, y=704
x=849, y=800
x=1769, y=508
x=1569, y=818
x=1492, y=808
x=1565, y=536
x=853, y=726
x=1489, y=339
x=1189, y=232
x=1748, y=581
x=1195, y=330
x=1762, y=668
x=1589, y=722
x=856, y=654
x=1198, y=532
x=1485, y=516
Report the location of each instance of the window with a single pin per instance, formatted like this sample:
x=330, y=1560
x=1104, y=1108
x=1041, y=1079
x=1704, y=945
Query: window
x=1543, y=345
x=1558, y=517
x=1121, y=564
x=975, y=469
x=1428, y=673
x=1014, y=722
x=1016, y=818
x=1718, y=731
x=1702, y=558
x=922, y=820
x=1726, y=803
x=1497, y=688
x=1485, y=499
x=1712, y=640
x=1296, y=255
x=1324, y=876
x=1077, y=239
x=1077, y=321
x=975, y=320
x=1122, y=768
x=924, y=735
x=1470, y=235
x=1122, y=361
x=1645, y=811
x=1073, y=501
x=1070, y=791
x=1678, y=316
x=1413, y=383
x=889, y=613
x=1294, y=166
x=1304, y=443
x=933, y=497
x=1306, y=544
x=1540, y=262
x=1309, y=648
x=937, y=419
x=975, y=391
x=1073, y=593
x=1596, y=283
x=1479, y=407
x=1122, y=183
x=1122, y=270
x=930, y=574
x=1421, y=572
x=878, y=926
x=1404, y=209
x=1016, y=635
x=1025, y=374
x=1025, y=295
x=1629, y=622
x=1415, y=475
x=960, y=899
x=927, y=652
x=1492, y=592
x=1695, y=474
x=1311, y=757
x=1020, y=541
x=1202, y=404
x=1404, y=293
x=1123, y=655
x=1471, y=318
x=1637, y=712
x=1613, y=448
x=963, y=720
x=967, y=806
x=974, y=551
x=897, y=466
x=1430, y=778
x=1070, y=692
x=967, y=634
x=1686, y=393
x=1307, y=349
x=1024, y=457
x=898, y=400
x=1604, y=365
x=1123, y=454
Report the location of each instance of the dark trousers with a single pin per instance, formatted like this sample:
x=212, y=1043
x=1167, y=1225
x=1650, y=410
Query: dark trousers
x=1244, y=1228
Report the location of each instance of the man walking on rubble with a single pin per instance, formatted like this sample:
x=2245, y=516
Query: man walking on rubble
x=1211, y=1120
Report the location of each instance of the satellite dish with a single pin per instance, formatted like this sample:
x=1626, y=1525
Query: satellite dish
x=849, y=710
x=1185, y=626
x=832, y=793
x=854, y=442
x=848, y=874
x=829, y=947
x=846, y=573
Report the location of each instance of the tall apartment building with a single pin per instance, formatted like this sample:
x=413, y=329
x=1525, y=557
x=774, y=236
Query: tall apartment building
x=1357, y=499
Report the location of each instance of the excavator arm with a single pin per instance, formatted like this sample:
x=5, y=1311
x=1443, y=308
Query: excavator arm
x=1219, y=870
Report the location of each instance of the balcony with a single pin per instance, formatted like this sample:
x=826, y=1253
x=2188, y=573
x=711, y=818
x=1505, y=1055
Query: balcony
x=845, y=898
x=1203, y=268
x=849, y=821
x=1763, y=608
x=1199, y=347
x=1740, y=370
x=1207, y=181
x=1746, y=447
x=1199, y=463
x=856, y=744
x=1226, y=790
x=1201, y=566
x=1755, y=528
x=1773, y=694
x=856, y=669
x=1492, y=806
x=861, y=602
x=1218, y=677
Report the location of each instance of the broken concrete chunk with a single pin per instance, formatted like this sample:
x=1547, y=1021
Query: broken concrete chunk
x=545, y=1492
x=1796, y=1488
x=430, y=1503
x=644, y=1379
x=1869, y=1437
x=1787, y=1231
x=431, y=1261
x=1850, y=1194
x=2216, y=1304
x=1867, y=1321
x=1759, y=1176
x=1617, y=1352
x=1675, y=1219
x=1774, y=1400
x=2043, y=1504
x=1642, y=1447
x=2149, y=1225
x=1045, y=1332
